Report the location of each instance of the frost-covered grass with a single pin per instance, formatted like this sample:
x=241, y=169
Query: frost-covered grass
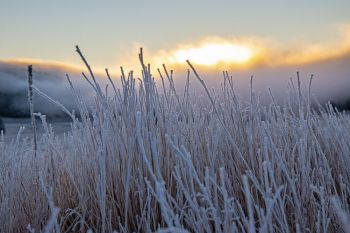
x=146, y=158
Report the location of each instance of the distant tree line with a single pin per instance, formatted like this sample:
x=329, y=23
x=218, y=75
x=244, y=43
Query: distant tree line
x=14, y=105
x=343, y=105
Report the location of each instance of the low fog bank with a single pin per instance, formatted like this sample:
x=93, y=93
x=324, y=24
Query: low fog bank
x=331, y=83
x=49, y=78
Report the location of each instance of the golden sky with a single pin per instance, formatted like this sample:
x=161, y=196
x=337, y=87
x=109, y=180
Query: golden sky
x=212, y=34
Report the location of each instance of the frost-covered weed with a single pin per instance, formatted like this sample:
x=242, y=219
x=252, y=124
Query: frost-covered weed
x=146, y=158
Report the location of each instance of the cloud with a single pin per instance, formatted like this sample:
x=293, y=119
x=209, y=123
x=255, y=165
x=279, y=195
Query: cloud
x=49, y=77
x=272, y=64
x=265, y=51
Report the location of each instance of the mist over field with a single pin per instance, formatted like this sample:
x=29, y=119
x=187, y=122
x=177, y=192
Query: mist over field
x=331, y=83
x=49, y=78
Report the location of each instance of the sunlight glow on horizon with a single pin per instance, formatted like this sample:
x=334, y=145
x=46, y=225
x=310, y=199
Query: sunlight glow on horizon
x=213, y=53
x=191, y=22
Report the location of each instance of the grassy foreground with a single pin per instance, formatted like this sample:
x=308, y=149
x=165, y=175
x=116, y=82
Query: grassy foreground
x=146, y=159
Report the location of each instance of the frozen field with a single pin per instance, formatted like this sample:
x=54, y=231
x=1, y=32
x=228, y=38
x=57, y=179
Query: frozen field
x=148, y=158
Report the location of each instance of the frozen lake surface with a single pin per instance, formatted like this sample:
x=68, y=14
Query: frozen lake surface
x=12, y=126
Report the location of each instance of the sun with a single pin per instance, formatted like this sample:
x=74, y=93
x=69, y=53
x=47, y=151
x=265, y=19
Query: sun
x=213, y=53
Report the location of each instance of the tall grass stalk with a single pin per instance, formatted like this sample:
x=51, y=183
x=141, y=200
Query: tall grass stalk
x=31, y=107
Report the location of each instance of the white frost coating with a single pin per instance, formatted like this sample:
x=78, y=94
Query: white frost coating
x=143, y=159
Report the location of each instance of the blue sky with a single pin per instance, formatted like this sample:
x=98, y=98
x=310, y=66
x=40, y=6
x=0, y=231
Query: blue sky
x=108, y=30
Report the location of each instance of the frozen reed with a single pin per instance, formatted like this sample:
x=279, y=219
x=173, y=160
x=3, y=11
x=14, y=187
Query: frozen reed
x=147, y=158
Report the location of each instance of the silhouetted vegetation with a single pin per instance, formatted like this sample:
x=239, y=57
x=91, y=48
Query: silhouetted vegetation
x=2, y=125
x=342, y=105
x=14, y=105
